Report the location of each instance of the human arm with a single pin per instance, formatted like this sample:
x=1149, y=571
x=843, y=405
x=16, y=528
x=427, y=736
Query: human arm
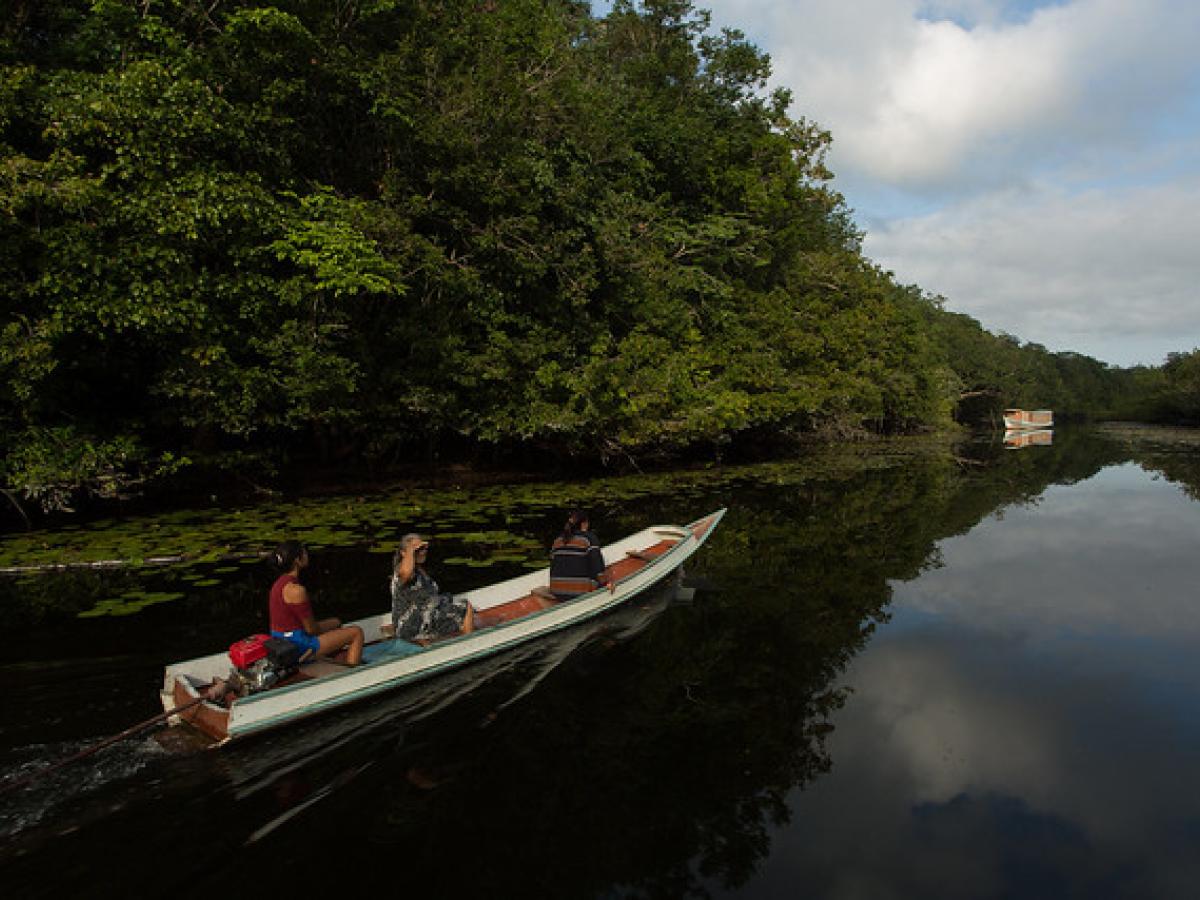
x=599, y=572
x=407, y=563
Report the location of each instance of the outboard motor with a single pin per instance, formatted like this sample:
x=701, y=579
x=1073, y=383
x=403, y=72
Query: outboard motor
x=261, y=676
x=264, y=661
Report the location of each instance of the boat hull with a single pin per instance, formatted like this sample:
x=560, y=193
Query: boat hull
x=636, y=563
x=1019, y=419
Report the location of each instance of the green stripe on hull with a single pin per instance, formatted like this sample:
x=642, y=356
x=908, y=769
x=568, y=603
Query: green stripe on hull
x=311, y=709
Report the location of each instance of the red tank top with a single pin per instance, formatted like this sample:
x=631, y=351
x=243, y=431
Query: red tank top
x=287, y=616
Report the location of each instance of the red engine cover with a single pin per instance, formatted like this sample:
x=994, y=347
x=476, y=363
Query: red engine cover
x=249, y=650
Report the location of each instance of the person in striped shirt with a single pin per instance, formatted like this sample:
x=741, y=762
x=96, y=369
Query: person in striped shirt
x=576, y=564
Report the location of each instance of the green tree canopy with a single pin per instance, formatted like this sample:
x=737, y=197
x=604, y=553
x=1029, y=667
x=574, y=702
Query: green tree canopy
x=238, y=234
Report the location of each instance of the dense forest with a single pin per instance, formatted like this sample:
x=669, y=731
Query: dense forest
x=238, y=237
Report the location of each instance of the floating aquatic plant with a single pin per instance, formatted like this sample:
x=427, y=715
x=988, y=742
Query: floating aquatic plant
x=129, y=603
x=184, y=539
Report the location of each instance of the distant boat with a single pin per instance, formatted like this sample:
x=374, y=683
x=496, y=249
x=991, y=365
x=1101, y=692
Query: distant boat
x=1028, y=437
x=1016, y=419
x=506, y=614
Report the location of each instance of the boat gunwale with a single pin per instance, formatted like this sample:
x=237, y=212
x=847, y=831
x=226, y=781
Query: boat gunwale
x=463, y=639
x=376, y=680
x=1021, y=419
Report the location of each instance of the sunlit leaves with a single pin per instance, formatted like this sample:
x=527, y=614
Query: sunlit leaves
x=332, y=255
x=246, y=232
x=51, y=465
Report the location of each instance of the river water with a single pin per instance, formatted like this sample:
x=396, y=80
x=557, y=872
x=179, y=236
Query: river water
x=908, y=669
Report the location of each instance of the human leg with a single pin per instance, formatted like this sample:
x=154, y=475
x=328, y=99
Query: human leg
x=350, y=637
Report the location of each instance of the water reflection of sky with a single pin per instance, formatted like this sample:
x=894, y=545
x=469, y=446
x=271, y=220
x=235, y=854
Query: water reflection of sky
x=1119, y=553
x=1028, y=724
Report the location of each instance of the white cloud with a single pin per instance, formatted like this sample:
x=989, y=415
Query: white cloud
x=1037, y=163
x=1111, y=274
x=928, y=103
x=953, y=91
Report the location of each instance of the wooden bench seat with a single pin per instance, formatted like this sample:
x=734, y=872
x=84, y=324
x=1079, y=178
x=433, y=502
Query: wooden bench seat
x=540, y=598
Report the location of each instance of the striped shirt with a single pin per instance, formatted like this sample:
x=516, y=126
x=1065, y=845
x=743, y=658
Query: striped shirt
x=575, y=565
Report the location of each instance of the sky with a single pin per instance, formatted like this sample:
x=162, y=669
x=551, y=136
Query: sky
x=1035, y=163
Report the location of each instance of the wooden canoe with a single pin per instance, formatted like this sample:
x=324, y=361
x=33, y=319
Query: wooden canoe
x=506, y=614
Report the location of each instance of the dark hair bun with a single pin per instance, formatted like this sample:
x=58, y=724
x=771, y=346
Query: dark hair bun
x=286, y=554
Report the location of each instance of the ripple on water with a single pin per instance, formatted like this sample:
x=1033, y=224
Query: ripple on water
x=51, y=796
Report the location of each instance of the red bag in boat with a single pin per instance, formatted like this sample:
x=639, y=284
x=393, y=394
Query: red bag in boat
x=249, y=650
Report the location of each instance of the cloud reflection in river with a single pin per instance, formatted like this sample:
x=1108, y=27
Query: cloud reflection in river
x=1008, y=739
x=1114, y=554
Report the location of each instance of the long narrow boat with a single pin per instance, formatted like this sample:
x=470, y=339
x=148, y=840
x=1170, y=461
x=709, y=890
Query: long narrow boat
x=506, y=614
x=1015, y=419
x=492, y=684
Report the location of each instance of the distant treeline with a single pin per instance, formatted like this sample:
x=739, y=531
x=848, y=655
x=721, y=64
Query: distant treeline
x=238, y=236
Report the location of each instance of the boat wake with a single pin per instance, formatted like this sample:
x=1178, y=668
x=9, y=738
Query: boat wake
x=48, y=797
x=295, y=772
x=254, y=791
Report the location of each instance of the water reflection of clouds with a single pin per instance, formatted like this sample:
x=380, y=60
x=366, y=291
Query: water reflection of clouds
x=1008, y=740
x=1114, y=554
x=965, y=767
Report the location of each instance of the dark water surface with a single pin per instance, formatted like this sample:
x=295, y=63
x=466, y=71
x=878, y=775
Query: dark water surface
x=909, y=670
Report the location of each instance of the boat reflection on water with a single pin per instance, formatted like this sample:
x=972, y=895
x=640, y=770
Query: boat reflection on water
x=281, y=775
x=1022, y=438
x=245, y=797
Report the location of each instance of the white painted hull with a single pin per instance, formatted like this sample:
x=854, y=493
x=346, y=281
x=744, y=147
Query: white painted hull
x=259, y=712
x=1022, y=419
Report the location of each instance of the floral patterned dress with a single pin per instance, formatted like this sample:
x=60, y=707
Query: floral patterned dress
x=422, y=612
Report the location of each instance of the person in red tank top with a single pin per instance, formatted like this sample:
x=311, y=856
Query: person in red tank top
x=292, y=616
